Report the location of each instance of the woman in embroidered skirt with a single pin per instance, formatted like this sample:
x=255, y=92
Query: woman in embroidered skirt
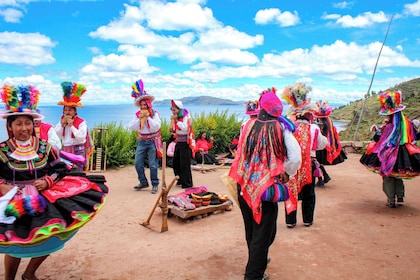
x=333, y=153
x=41, y=208
x=393, y=155
x=267, y=153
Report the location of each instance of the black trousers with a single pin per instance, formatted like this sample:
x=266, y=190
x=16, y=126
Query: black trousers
x=259, y=237
x=307, y=195
x=182, y=164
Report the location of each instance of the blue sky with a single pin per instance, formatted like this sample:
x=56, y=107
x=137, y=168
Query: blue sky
x=223, y=48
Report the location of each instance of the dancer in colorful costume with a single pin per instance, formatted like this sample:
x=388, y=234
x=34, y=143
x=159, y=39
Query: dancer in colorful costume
x=393, y=156
x=267, y=155
x=333, y=154
x=310, y=139
x=147, y=123
x=72, y=129
x=40, y=207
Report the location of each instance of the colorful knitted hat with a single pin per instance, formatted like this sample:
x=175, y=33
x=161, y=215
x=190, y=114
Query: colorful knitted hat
x=139, y=93
x=271, y=103
x=297, y=96
x=252, y=107
x=390, y=102
x=20, y=100
x=72, y=94
x=323, y=109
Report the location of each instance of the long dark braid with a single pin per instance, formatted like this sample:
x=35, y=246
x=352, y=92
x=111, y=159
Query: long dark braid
x=270, y=122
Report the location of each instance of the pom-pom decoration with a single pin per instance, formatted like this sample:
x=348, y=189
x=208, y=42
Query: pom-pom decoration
x=72, y=94
x=21, y=100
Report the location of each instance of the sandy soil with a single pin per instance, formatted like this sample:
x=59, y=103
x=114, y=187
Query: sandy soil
x=354, y=236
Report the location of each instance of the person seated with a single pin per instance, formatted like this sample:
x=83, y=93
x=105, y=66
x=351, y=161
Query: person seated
x=202, y=147
x=232, y=147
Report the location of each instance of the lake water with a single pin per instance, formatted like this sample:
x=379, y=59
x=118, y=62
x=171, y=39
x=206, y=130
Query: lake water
x=123, y=113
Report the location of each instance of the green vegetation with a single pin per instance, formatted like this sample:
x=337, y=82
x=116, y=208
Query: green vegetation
x=121, y=142
x=351, y=112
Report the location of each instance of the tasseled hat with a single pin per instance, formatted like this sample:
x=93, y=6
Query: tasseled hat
x=139, y=93
x=20, y=100
x=390, y=102
x=252, y=107
x=271, y=103
x=297, y=96
x=324, y=110
x=72, y=94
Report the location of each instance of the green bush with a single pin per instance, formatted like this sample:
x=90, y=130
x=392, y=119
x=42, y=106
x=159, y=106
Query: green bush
x=121, y=142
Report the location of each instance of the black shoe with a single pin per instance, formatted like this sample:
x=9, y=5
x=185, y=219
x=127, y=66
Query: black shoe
x=307, y=224
x=400, y=199
x=391, y=205
x=290, y=225
x=320, y=183
x=139, y=187
x=326, y=180
x=154, y=189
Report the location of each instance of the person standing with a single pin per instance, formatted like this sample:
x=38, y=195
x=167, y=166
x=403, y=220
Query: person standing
x=393, y=155
x=47, y=132
x=310, y=139
x=147, y=123
x=333, y=153
x=44, y=208
x=72, y=129
x=267, y=153
x=181, y=125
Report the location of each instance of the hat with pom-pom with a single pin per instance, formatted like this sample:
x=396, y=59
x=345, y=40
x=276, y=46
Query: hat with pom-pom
x=72, y=94
x=271, y=103
x=297, y=96
x=20, y=100
x=323, y=109
x=390, y=102
x=252, y=107
x=139, y=93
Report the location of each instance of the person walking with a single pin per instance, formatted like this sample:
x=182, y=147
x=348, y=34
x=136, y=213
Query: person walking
x=267, y=154
x=393, y=155
x=41, y=208
x=72, y=129
x=147, y=123
x=333, y=153
x=310, y=139
x=181, y=125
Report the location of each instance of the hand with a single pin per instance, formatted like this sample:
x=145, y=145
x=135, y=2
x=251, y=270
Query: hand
x=69, y=121
x=284, y=177
x=4, y=188
x=211, y=138
x=40, y=184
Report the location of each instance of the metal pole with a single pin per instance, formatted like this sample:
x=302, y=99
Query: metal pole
x=371, y=81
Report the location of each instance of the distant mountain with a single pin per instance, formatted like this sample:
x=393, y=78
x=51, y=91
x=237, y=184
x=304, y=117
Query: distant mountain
x=199, y=100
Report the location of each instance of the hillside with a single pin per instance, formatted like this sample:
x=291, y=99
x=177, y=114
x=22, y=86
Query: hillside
x=411, y=99
x=199, y=100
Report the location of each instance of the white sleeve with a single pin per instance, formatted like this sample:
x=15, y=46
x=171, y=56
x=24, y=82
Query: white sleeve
x=53, y=139
x=294, y=154
x=80, y=133
x=154, y=123
x=134, y=124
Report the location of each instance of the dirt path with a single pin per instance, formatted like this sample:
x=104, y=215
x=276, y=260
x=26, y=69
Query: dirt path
x=354, y=236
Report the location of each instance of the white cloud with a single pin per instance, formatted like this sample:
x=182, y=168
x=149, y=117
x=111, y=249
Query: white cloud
x=276, y=16
x=343, y=5
x=31, y=49
x=181, y=15
x=11, y=15
x=364, y=20
x=412, y=9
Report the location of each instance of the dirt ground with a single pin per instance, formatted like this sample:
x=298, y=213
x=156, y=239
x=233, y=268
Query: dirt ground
x=354, y=236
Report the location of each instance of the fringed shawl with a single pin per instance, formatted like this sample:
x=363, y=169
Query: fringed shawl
x=255, y=172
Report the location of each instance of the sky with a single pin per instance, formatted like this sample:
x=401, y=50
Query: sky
x=229, y=49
